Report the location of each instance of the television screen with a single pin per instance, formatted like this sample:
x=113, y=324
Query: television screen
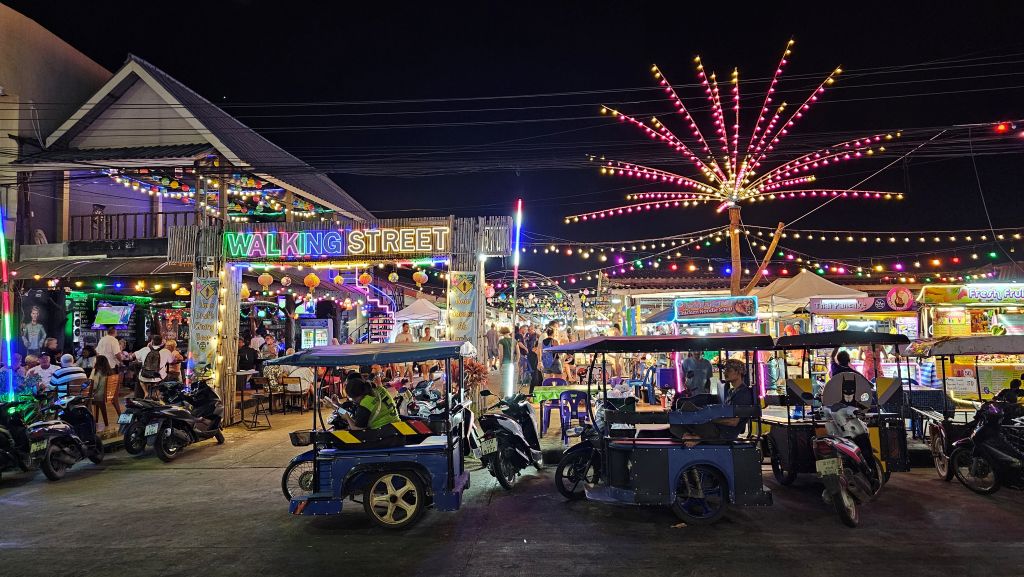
x=111, y=314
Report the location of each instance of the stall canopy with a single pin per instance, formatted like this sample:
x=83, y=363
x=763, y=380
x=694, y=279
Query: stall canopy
x=376, y=354
x=983, y=345
x=804, y=286
x=419, y=310
x=668, y=343
x=839, y=338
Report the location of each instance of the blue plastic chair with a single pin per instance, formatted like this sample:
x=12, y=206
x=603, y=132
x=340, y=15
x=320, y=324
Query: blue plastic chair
x=570, y=404
x=550, y=405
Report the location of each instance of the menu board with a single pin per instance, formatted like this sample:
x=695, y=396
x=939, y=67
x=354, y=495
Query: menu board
x=951, y=323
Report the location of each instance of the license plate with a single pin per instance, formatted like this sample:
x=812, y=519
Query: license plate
x=828, y=466
x=152, y=428
x=38, y=446
x=125, y=418
x=488, y=446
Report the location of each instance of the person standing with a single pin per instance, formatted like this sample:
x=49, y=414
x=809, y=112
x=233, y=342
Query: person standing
x=492, y=347
x=174, y=367
x=101, y=376
x=88, y=358
x=550, y=361
x=534, y=360
x=427, y=337
x=405, y=369
x=508, y=354
x=154, y=358
x=247, y=356
x=109, y=347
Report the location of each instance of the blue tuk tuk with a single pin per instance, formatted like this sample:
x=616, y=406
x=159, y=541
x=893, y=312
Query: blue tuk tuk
x=396, y=484
x=676, y=458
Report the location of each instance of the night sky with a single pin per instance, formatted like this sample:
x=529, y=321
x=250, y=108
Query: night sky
x=423, y=108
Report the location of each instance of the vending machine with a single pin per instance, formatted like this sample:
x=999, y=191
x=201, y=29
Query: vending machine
x=315, y=332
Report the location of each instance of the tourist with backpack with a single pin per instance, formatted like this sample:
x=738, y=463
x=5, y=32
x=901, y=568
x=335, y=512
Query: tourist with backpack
x=550, y=361
x=154, y=358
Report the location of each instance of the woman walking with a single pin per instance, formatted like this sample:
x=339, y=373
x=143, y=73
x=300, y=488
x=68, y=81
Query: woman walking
x=104, y=388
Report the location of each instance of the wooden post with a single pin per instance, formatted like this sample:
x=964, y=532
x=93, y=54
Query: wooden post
x=734, y=244
x=767, y=257
x=64, y=234
x=289, y=198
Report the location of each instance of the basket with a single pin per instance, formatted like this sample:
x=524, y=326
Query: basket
x=302, y=438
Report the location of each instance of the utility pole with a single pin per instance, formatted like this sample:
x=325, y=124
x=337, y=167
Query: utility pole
x=734, y=244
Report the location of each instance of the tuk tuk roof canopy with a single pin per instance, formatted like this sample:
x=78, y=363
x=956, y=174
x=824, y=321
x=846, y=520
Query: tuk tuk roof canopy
x=832, y=339
x=376, y=354
x=668, y=343
x=981, y=345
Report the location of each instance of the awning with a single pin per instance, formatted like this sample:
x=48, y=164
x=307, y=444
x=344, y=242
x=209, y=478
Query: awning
x=98, y=267
x=982, y=345
x=668, y=343
x=833, y=339
x=376, y=354
x=65, y=158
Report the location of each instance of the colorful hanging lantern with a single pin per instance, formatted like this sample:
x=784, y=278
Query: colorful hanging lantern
x=311, y=281
x=489, y=291
x=393, y=277
x=365, y=278
x=265, y=280
x=419, y=277
x=286, y=281
x=244, y=293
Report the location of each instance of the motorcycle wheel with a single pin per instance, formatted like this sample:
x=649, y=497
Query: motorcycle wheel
x=503, y=469
x=783, y=476
x=166, y=446
x=845, y=505
x=297, y=480
x=939, y=457
x=96, y=456
x=134, y=440
x=51, y=465
x=967, y=467
x=394, y=499
x=701, y=495
x=220, y=437
x=572, y=472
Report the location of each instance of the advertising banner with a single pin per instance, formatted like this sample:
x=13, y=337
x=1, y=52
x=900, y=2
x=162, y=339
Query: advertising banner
x=205, y=299
x=1009, y=293
x=898, y=299
x=462, y=306
x=712, y=310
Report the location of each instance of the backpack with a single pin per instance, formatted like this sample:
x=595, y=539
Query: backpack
x=547, y=358
x=151, y=366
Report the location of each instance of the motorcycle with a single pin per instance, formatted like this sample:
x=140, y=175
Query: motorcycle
x=580, y=464
x=139, y=412
x=844, y=459
x=69, y=438
x=171, y=428
x=15, y=451
x=510, y=441
x=987, y=459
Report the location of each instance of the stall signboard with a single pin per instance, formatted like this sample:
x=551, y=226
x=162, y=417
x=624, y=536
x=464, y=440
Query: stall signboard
x=714, y=310
x=463, y=294
x=994, y=377
x=893, y=302
x=203, y=328
x=994, y=293
x=341, y=243
x=951, y=322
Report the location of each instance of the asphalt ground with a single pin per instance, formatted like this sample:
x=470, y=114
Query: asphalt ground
x=218, y=510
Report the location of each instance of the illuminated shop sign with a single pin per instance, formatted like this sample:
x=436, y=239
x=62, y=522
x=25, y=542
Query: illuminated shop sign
x=894, y=301
x=975, y=294
x=710, y=310
x=319, y=244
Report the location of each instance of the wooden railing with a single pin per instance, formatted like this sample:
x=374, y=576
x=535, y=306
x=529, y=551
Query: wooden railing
x=136, y=225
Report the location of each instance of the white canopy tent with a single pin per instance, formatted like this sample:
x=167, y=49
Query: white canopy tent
x=797, y=291
x=420, y=310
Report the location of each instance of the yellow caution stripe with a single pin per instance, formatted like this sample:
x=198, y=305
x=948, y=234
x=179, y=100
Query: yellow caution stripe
x=346, y=437
x=403, y=428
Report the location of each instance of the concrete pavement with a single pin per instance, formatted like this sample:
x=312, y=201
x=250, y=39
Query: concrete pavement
x=218, y=510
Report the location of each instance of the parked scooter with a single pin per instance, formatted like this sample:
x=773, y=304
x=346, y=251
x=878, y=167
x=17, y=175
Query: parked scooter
x=15, y=449
x=580, y=464
x=988, y=459
x=139, y=413
x=510, y=442
x=844, y=459
x=174, y=427
x=60, y=443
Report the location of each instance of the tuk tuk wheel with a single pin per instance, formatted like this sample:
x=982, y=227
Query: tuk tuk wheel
x=394, y=499
x=574, y=471
x=297, y=480
x=783, y=476
x=939, y=457
x=701, y=495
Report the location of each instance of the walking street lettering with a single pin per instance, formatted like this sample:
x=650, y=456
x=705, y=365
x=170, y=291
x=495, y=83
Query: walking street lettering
x=282, y=245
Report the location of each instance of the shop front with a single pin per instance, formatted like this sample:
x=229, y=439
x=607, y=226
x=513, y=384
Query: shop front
x=894, y=313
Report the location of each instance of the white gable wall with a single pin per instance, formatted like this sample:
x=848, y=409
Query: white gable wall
x=140, y=117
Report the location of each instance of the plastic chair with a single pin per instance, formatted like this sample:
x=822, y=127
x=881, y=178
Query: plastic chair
x=550, y=405
x=569, y=404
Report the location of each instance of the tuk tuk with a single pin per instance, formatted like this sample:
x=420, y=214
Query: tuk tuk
x=790, y=429
x=951, y=420
x=395, y=484
x=676, y=458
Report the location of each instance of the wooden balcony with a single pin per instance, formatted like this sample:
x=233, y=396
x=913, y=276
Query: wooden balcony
x=131, y=226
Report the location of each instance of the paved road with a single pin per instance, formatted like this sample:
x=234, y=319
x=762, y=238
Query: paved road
x=219, y=511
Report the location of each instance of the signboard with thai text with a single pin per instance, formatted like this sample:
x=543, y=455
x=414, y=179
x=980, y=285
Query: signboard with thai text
x=203, y=326
x=462, y=306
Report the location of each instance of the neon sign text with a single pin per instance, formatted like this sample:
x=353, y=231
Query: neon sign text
x=283, y=245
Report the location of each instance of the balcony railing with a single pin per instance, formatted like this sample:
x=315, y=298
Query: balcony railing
x=137, y=225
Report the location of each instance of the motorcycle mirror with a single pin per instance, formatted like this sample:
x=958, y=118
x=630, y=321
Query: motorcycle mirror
x=485, y=393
